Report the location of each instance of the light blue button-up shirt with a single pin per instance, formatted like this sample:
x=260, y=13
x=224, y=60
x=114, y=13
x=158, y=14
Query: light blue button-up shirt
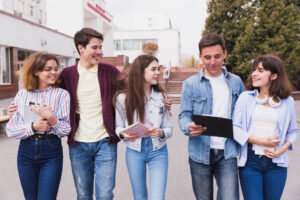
x=287, y=124
x=197, y=98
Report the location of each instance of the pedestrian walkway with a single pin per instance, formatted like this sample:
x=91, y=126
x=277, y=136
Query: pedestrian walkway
x=179, y=186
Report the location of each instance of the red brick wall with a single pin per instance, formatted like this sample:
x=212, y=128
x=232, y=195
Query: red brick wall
x=119, y=61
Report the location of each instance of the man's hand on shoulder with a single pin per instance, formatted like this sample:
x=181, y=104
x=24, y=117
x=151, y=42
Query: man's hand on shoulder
x=11, y=109
x=167, y=102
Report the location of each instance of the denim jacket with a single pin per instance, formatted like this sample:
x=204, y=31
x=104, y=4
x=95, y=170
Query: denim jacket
x=158, y=115
x=287, y=124
x=197, y=98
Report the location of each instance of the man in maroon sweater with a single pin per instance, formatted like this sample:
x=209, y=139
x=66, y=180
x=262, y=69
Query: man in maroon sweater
x=92, y=140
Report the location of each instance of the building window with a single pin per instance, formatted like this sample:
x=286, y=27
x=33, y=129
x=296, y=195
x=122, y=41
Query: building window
x=126, y=45
x=136, y=44
x=40, y=16
x=144, y=41
x=9, y=4
x=31, y=11
x=20, y=7
x=22, y=55
x=4, y=65
x=132, y=44
x=117, y=45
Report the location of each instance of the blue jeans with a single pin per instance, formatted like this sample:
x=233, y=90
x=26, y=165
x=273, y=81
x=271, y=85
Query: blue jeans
x=94, y=159
x=261, y=179
x=225, y=172
x=158, y=170
x=40, y=166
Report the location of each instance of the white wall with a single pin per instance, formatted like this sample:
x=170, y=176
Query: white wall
x=23, y=9
x=168, y=44
x=1, y=4
x=108, y=43
x=21, y=34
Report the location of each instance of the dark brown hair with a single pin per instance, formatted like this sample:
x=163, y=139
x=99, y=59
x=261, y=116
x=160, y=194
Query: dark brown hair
x=135, y=94
x=33, y=64
x=84, y=36
x=209, y=40
x=281, y=86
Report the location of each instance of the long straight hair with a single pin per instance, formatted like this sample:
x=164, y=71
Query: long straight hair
x=135, y=94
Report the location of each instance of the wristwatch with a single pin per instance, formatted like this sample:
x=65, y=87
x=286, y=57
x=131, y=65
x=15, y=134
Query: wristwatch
x=32, y=127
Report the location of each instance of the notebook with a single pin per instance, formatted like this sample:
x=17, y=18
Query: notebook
x=136, y=128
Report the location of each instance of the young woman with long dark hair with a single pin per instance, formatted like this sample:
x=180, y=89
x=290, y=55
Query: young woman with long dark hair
x=142, y=101
x=264, y=123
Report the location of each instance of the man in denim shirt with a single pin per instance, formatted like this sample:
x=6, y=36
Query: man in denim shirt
x=213, y=91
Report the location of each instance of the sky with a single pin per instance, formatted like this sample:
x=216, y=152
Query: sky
x=188, y=16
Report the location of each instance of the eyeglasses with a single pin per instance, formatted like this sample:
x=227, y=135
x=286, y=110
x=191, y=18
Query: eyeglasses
x=49, y=69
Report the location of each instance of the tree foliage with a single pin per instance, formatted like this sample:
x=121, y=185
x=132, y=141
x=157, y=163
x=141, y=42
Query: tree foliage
x=254, y=27
x=189, y=61
x=150, y=48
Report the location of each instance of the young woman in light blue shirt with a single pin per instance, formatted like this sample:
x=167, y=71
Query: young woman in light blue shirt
x=265, y=126
x=142, y=101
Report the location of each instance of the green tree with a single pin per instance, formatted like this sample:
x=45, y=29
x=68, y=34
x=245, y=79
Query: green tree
x=254, y=27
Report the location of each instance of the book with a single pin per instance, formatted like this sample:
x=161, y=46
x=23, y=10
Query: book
x=216, y=126
x=264, y=130
x=136, y=128
x=30, y=116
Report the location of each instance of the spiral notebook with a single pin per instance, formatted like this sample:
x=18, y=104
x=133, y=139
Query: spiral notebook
x=136, y=128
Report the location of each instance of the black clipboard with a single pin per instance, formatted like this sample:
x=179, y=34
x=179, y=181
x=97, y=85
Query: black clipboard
x=216, y=126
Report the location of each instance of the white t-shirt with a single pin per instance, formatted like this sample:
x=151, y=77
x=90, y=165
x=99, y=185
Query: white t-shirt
x=221, y=105
x=263, y=124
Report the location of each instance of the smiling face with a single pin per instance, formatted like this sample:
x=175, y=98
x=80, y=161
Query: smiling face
x=48, y=75
x=261, y=78
x=213, y=59
x=92, y=53
x=151, y=73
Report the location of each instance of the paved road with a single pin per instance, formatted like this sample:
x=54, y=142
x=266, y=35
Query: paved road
x=179, y=182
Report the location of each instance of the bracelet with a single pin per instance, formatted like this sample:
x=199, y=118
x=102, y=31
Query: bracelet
x=122, y=136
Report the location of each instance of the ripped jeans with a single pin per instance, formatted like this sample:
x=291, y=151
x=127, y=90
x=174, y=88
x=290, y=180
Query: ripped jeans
x=94, y=160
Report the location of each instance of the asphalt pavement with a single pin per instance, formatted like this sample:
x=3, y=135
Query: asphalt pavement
x=179, y=186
